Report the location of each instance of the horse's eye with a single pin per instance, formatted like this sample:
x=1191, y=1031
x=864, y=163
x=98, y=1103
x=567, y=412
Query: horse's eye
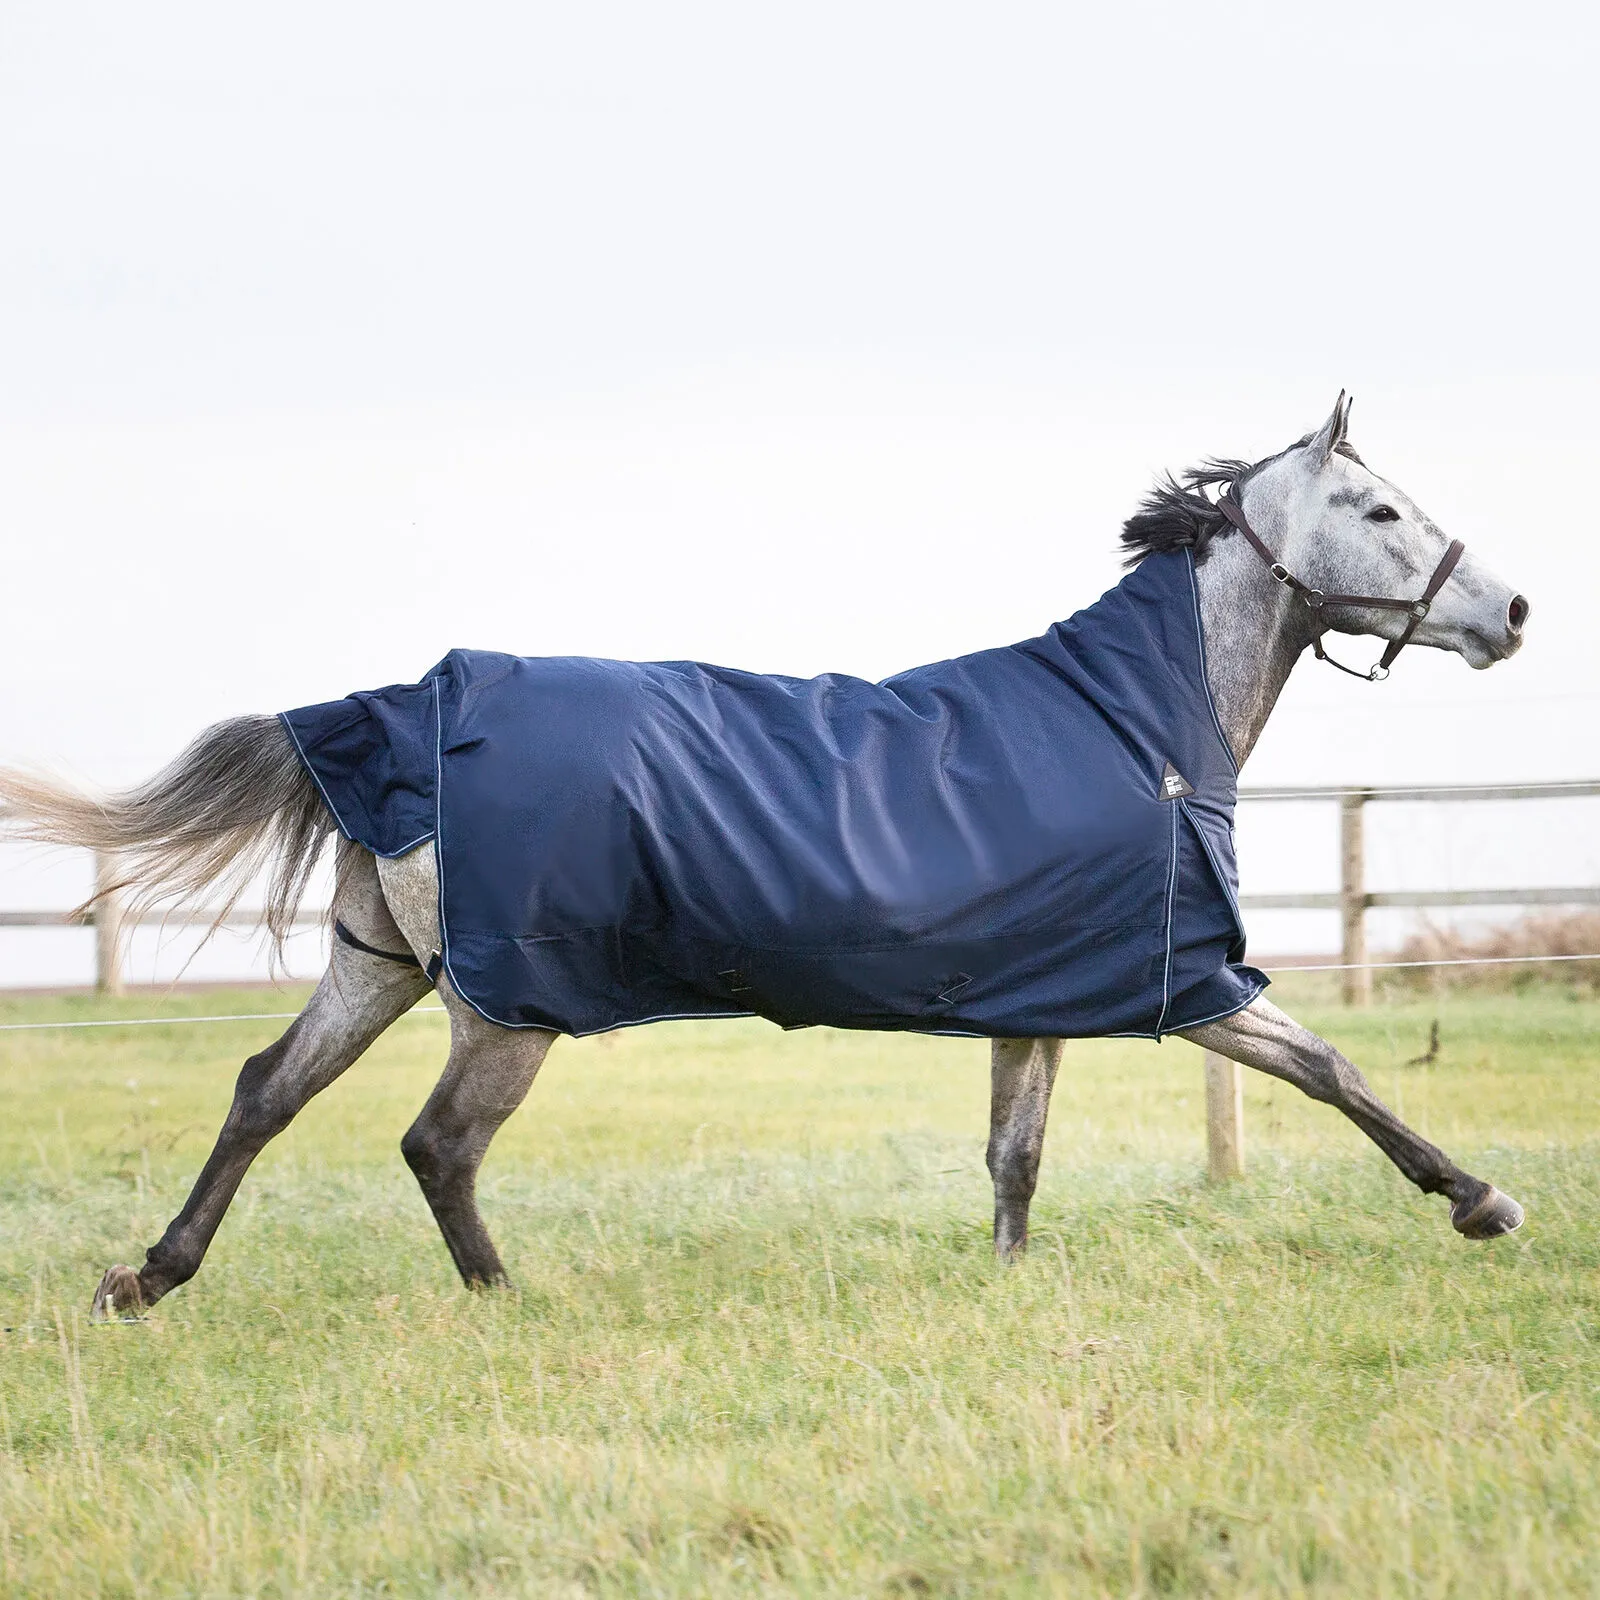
x=1383, y=514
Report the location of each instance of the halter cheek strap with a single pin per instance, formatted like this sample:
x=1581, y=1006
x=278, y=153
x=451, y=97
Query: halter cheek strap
x=1316, y=599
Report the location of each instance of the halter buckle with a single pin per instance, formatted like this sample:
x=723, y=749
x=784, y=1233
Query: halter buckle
x=1280, y=572
x=1419, y=609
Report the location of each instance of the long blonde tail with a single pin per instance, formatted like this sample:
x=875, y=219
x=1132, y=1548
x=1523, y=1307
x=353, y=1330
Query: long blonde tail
x=235, y=804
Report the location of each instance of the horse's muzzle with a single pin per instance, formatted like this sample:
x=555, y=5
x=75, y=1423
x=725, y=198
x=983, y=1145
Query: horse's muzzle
x=1497, y=644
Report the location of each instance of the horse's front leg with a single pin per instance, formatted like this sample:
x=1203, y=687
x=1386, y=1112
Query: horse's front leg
x=1022, y=1073
x=1261, y=1036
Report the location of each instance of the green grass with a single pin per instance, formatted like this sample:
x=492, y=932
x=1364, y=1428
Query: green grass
x=759, y=1340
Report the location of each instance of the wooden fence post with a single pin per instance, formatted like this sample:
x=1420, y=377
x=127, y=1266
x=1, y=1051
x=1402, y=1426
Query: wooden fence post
x=107, y=926
x=1224, y=1117
x=1353, y=897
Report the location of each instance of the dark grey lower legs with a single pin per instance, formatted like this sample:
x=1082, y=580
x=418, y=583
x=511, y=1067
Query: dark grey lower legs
x=1022, y=1072
x=1263, y=1037
x=357, y=999
x=489, y=1073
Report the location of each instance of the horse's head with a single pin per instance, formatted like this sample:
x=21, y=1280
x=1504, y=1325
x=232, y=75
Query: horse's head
x=1339, y=528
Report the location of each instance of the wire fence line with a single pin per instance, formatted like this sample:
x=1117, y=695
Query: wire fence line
x=1224, y=1091
x=1449, y=961
x=286, y=1016
x=177, y=1022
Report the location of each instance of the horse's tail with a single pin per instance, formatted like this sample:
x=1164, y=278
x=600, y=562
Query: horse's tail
x=237, y=803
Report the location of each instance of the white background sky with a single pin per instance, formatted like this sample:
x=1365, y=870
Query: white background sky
x=827, y=337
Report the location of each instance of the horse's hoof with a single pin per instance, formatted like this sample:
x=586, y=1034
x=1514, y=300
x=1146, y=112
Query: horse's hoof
x=118, y=1296
x=1487, y=1217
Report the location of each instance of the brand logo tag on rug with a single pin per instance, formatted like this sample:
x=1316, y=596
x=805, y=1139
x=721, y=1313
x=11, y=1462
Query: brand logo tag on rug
x=1174, y=786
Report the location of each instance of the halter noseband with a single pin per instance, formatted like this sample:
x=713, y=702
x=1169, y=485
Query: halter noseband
x=1316, y=599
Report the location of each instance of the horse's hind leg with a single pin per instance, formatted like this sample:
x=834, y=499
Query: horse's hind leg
x=359, y=996
x=488, y=1076
x=1262, y=1036
x=1022, y=1073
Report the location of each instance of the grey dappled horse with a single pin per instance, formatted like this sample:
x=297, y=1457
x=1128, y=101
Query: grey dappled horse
x=1323, y=544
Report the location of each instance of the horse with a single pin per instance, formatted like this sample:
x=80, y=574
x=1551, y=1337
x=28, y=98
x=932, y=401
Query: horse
x=1282, y=552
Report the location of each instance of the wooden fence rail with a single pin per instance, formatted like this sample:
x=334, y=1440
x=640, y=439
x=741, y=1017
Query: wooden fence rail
x=110, y=925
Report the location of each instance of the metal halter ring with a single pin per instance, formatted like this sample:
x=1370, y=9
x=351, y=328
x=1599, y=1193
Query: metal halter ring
x=1378, y=674
x=1315, y=598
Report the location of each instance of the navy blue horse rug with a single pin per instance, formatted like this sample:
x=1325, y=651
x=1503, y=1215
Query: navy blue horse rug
x=1024, y=842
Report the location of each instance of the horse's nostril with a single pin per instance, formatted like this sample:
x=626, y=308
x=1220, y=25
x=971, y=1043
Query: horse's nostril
x=1517, y=613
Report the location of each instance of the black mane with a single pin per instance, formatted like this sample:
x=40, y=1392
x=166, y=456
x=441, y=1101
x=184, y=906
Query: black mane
x=1178, y=514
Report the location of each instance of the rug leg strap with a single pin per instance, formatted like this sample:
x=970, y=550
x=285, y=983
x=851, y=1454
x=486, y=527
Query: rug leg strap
x=344, y=936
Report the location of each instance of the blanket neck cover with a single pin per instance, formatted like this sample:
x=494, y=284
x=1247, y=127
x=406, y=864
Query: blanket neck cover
x=1030, y=841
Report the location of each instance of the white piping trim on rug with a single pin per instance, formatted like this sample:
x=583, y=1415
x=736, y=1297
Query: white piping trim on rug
x=299, y=750
x=327, y=800
x=1172, y=903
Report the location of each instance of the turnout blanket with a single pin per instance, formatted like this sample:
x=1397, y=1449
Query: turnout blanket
x=1034, y=840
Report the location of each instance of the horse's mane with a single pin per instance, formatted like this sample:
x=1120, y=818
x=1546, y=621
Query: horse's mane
x=1178, y=514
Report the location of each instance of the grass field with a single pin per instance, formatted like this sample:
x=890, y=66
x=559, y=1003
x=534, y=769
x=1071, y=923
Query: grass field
x=759, y=1340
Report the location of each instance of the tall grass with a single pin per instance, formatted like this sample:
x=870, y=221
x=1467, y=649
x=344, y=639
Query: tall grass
x=759, y=1343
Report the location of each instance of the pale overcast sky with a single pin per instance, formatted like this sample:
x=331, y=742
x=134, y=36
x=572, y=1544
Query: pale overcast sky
x=824, y=337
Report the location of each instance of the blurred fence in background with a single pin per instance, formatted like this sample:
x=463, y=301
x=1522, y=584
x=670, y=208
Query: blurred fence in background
x=111, y=926
x=1352, y=900
x=1223, y=1078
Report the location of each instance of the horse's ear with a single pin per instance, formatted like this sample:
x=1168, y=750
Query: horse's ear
x=1332, y=433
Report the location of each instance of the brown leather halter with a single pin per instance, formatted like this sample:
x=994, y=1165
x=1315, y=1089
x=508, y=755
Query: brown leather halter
x=1229, y=506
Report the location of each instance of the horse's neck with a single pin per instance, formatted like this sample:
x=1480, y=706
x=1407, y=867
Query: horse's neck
x=1254, y=636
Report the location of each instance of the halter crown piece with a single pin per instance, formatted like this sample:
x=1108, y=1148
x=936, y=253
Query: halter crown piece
x=1228, y=505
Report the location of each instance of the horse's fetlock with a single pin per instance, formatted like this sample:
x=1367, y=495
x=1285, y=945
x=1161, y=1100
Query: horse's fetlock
x=431, y=1158
x=1015, y=1189
x=417, y=1151
x=165, y=1268
x=1014, y=1168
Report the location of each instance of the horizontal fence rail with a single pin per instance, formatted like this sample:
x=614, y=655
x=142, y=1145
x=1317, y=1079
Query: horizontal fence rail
x=1352, y=899
x=1586, y=895
x=1557, y=789
x=151, y=919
